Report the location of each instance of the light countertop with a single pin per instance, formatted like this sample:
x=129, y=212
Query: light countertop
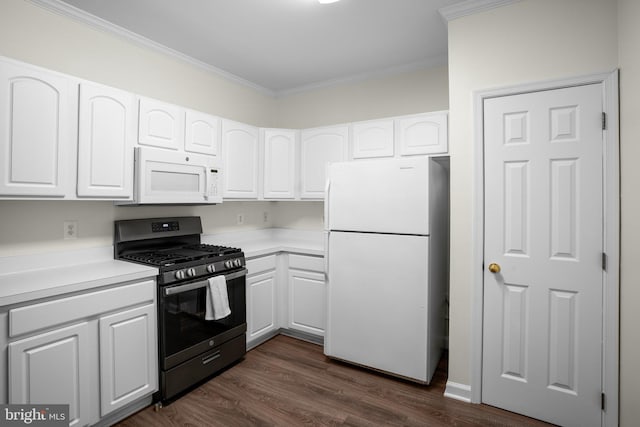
x=31, y=277
x=271, y=240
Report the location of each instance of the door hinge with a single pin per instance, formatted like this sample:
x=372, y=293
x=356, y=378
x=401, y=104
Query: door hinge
x=602, y=401
x=604, y=120
x=604, y=261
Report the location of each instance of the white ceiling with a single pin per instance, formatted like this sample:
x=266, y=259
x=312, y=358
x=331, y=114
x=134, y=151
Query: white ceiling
x=284, y=46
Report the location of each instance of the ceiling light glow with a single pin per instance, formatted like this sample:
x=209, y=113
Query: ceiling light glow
x=327, y=1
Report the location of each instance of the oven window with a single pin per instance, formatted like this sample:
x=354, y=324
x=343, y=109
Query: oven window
x=183, y=317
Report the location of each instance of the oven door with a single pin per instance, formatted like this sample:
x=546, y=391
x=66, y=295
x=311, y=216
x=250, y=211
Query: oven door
x=184, y=332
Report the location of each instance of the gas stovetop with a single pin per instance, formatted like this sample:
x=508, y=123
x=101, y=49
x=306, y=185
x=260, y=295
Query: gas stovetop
x=173, y=245
x=178, y=255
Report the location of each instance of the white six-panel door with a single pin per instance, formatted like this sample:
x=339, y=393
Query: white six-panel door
x=542, y=330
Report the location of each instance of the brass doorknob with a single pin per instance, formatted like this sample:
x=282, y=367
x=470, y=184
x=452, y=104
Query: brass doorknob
x=494, y=268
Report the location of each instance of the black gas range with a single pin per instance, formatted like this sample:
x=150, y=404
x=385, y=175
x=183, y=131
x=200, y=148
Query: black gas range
x=191, y=349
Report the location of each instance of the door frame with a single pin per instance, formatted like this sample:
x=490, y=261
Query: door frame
x=611, y=229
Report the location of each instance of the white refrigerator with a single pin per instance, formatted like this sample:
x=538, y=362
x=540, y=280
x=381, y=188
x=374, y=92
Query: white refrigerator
x=387, y=244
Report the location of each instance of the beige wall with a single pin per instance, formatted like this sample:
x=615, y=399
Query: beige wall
x=406, y=93
x=32, y=226
x=532, y=41
x=629, y=41
x=35, y=35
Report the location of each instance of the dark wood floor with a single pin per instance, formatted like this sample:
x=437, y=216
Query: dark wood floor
x=287, y=382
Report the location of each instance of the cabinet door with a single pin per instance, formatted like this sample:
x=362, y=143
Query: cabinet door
x=201, y=133
x=240, y=154
x=307, y=301
x=128, y=357
x=280, y=148
x=38, y=114
x=53, y=368
x=372, y=139
x=160, y=125
x=319, y=147
x=107, y=132
x=261, y=304
x=422, y=134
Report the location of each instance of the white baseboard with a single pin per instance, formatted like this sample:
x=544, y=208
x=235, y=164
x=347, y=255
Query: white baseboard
x=458, y=391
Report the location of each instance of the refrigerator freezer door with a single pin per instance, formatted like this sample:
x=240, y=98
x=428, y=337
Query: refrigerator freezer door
x=377, y=302
x=380, y=196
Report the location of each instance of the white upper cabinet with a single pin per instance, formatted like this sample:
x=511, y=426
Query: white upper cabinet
x=318, y=148
x=202, y=133
x=240, y=152
x=160, y=124
x=372, y=139
x=38, y=113
x=279, y=156
x=422, y=134
x=107, y=132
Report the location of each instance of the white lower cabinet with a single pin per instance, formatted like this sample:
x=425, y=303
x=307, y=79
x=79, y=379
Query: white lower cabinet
x=95, y=351
x=262, y=319
x=127, y=343
x=307, y=301
x=53, y=368
x=285, y=290
x=306, y=294
x=262, y=304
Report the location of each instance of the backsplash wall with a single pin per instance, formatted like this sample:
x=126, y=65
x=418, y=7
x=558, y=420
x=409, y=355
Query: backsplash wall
x=32, y=226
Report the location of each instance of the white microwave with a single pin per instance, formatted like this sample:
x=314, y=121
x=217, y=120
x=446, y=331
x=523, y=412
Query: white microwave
x=174, y=177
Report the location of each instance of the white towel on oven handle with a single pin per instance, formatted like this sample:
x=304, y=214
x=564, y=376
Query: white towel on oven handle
x=217, y=306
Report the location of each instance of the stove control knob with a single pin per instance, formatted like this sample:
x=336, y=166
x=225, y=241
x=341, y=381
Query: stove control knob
x=211, y=268
x=237, y=262
x=191, y=272
x=179, y=274
x=228, y=264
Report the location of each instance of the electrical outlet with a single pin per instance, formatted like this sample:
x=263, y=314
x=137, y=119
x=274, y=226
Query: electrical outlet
x=240, y=219
x=265, y=216
x=70, y=230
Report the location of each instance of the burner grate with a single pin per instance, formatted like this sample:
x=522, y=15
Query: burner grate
x=214, y=249
x=163, y=258
x=156, y=258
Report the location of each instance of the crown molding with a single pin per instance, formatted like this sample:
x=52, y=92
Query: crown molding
x=406, y=68
x=470, y=7
x=61, y=8
x=67, y=10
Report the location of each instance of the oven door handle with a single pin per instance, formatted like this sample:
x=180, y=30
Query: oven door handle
x=197, y=285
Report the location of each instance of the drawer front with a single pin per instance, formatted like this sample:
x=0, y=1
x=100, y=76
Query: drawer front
x=51, y=313
x=306, y=262
x=260, y=264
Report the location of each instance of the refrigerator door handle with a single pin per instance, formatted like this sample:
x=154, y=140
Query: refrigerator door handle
x=327, y=197
x=326, y=256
